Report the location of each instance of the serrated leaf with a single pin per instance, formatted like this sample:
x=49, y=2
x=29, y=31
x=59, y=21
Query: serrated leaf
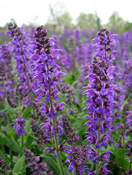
x=10, y=143
x=20, y=167
x=26, y=113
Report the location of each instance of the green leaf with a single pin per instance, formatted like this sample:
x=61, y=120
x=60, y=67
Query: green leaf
x=68, y=78
x=51, y=164
x=20, y=167
x=26, y=113
x=120, y=162
x=27, y=126
x=10, y=143
x=78, y=125
x=2, y=106
x=29, y=141
x=66, y=170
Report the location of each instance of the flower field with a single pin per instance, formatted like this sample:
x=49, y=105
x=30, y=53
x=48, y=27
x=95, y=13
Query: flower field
x=65, y=102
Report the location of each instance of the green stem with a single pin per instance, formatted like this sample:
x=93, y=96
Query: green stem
x=10, y=151
x=8, y=119
x=2, y=145
x=11, y=155
x=55, y=136
x=92, y=167
x=74, y=172
x=21, y=143
x=130, y=163
x=58, y=152
x=123, y=141
x=97, y=165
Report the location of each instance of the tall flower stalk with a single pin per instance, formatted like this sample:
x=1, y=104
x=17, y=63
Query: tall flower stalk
x=20, y=46
x=100, y=92
x=46, y=75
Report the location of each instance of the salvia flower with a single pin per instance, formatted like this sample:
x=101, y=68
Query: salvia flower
x=34, y=165
x=41, y=136
x=68, y=131
x=45, y=72
x=77, y=159
x=100, y=92
x=19, y=126
x=20, y=47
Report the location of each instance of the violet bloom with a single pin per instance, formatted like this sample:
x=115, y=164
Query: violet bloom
x=127, y=76
x=84, y=66
x=45, y=72
x=2, y=79
x=7, y=81
x=68, y=131
x=100, y=92
x=72, y=54
x=34, y=165
x=77, y=159
x=19, y=126
x=39, y=134
x=125, y=126
x=20, y=47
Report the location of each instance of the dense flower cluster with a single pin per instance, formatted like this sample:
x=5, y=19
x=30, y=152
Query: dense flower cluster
x=7, y=81
x=39, y=134
x=34, y=165
x=68, y=131
x=100, y=92
x=19, y=126
x=21, y=54
x=127, y=75
x=125, y=129
x=77, y=159
x=45, y=72
x=51, y=110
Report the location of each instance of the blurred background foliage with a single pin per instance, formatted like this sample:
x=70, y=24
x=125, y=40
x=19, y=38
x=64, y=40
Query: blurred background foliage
x=60, y=18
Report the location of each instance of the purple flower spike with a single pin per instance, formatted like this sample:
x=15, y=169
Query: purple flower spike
x=19, y=126
x=102, y=98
